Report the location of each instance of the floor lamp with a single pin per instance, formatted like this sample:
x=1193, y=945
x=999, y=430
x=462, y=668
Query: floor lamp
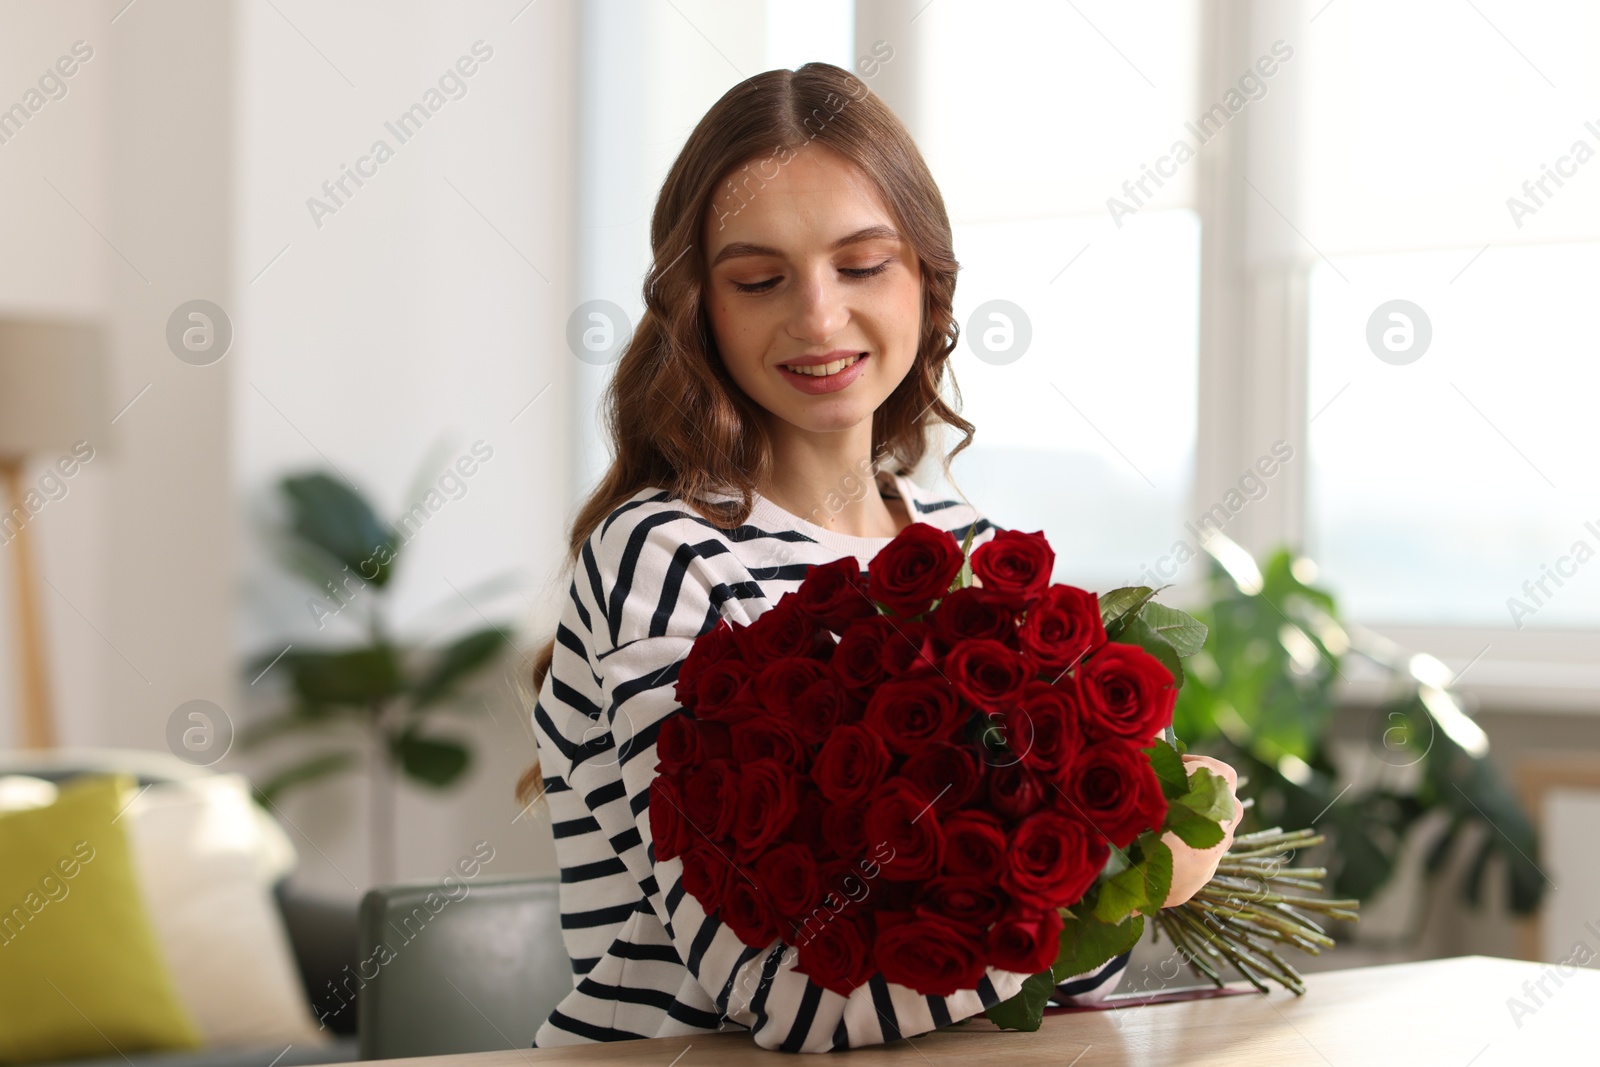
x=52, y=395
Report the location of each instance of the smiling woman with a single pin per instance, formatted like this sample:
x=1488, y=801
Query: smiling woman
x=788, y=346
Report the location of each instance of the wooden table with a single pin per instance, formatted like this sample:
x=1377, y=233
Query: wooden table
x=1452, y=1012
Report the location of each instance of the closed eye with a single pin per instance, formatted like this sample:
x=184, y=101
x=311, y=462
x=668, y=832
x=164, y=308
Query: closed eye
x=854, y=272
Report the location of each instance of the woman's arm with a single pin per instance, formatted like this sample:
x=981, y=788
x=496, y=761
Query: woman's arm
x=655, y=596
x=756, y=987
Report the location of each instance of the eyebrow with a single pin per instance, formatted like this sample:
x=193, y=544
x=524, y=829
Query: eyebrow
x=745, y=248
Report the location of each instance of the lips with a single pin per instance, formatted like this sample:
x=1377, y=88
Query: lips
x=817, y=377
x=823, y=370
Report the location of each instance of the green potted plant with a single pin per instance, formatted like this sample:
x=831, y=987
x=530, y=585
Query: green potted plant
x=1261, y=695
x=388, y=690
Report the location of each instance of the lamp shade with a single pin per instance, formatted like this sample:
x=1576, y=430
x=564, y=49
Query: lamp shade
x=52, y=385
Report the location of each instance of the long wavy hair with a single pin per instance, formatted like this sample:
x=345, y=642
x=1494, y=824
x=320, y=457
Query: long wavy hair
x=675, y=418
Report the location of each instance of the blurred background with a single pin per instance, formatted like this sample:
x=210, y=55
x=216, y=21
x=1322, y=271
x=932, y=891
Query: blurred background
x=1282, y=305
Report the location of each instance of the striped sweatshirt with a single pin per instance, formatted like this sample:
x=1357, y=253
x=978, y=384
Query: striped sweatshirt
x=646, y=959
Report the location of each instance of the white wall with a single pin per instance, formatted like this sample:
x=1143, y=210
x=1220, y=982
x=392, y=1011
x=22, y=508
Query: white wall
x=416, y=320
x=120, y=199
x=419, y=318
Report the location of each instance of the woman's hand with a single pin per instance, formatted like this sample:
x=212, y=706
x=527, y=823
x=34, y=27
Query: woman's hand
x=1192, y=868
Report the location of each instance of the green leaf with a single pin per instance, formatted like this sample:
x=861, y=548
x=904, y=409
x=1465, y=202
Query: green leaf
x=1122, y=604
x=358, y=676
x=1025, y=1011
x=336, y=519
x=1196, y=831
x=1196, y=817
x=1185, y=633
x=964, y=576
x=1138, y=632
x=459, y=660
x=434, y=761
x=1086, y=943
x=309, y=771
x=1143, y=886
x=1169, y=767
x=1209, y=795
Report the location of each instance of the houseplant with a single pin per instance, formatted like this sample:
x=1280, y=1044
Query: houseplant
x=1262, y=696
x=389, y=690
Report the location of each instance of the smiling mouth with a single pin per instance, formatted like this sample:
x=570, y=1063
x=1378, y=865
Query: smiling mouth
x=823, y=370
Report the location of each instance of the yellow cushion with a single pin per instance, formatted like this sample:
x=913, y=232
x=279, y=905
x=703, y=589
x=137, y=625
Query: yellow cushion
x=81, y=973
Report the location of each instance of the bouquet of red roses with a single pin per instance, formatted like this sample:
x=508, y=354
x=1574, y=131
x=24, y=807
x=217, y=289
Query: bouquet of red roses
x=913, y=773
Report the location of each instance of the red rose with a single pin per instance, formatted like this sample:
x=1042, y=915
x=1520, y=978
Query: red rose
x=974, y=844
x=669, y=830
x=1115, y=790
x=858, y=658
x=747, y=912
x=931, y=956
x=713, y=646
x=1042, y=729
x=910, y=712
x=1061, y=627
x=768, y=802
x=1026, y=942
x=1127, y=693
x=975, y=612
x=710, y=792
x=783, y=630
x=842, y=884
x=714, y=740
x=852, y=761
x=835, y=594
x=1015, y=791
x=986, y=673
x=1052, y=861
x=835, y=952
x=947, y=772
x=909, y=649
x=763, y=737
x=705, y=876
x=1014, y=564
x=967, y=901
x=819, y=708
x=807, y=828
x=900, y=815
x=779, y=684
x=844, y=825
x=677, y=744
x=684, y=742
x=913, y=570
x=788, y=875
x=723, y=691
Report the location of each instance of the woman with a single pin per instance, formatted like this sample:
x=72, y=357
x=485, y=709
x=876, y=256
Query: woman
x=782, y=381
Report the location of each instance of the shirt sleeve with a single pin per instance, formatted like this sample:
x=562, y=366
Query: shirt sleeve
x=659, y=595
x=1093, y=986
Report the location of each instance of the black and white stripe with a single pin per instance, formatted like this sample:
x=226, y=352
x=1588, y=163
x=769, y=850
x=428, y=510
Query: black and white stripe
x=646, y=959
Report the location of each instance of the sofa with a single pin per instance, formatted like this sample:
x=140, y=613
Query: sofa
x=321, y=932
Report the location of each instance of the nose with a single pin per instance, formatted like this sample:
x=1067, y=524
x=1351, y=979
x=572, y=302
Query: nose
x=819, y=309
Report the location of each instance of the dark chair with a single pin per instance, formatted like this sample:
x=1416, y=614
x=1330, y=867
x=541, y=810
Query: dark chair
x=322, y=932
x=476, y=973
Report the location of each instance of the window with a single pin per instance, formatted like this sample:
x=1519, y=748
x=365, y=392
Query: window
x=1078, y=356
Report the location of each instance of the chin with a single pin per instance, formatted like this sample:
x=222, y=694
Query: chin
x=826, y=418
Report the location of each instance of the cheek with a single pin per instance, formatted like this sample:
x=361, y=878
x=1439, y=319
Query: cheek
x=900, y=311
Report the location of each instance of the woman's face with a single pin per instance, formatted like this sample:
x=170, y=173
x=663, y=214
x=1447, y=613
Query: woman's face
x=808, y=268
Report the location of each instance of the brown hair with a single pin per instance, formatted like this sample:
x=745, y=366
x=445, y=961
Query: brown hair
x=676, y=420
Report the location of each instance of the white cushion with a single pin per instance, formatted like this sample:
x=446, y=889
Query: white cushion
x=198, y=848
x=21, y=792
